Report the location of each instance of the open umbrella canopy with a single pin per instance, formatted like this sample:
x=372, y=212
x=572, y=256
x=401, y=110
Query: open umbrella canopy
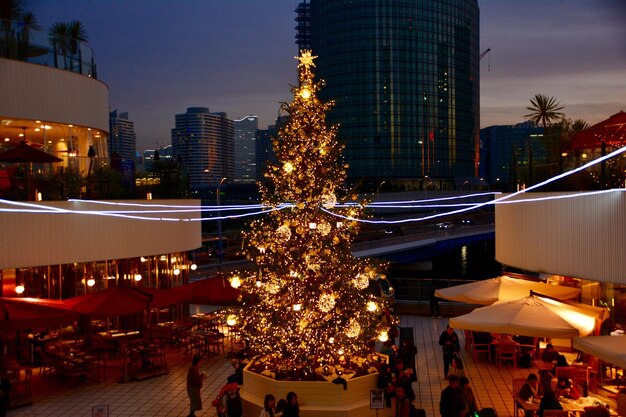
x=29, y=313
x=214, y=291
x=611, y=349
x=611, y=131
x=167, y=296
x=113, y=301
x=503, y=288
x=533, y=316
x=26, y=153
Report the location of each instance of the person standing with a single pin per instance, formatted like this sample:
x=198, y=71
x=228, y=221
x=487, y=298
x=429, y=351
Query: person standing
x=403, y=404
x=194, y=384
x=269, y=405
x=452, y=403
x=292, y=409
x=451, y=347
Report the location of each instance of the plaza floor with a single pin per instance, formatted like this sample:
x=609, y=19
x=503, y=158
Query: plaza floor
x=166, y=395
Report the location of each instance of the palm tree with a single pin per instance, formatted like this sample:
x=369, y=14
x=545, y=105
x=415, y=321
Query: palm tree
x=544, y=110
x=578, y=125
x=57, y=35
x=76, y=33
x=28, y=23
x=10, y=11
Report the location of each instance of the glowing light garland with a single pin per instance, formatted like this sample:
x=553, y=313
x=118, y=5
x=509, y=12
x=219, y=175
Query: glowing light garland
x=487, y=203
x=407, y=204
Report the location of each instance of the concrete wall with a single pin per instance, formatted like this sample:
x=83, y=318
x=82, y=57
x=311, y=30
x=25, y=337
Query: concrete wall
x=37, y=92
x=583, y=237
x=35, y=239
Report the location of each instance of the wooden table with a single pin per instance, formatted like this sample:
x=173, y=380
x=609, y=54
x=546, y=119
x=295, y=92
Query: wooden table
x=543, y=367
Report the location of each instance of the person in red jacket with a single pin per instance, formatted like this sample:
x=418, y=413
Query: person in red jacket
x=194, y=384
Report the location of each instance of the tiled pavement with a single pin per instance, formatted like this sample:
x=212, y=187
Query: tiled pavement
x=166, y=395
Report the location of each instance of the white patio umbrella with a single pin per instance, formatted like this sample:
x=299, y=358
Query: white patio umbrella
x=611, y=349
x=503, y=288
x=533, y=316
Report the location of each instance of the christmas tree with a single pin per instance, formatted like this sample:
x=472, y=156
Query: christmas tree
x=309, y=296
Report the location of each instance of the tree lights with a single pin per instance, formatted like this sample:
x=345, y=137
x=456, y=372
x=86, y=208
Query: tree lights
x=309, y=296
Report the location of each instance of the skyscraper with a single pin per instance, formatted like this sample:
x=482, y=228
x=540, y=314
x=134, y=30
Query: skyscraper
x=122, y=140
x=245, y=148
x=404, y=76
x=204, y=143
x=303, y=29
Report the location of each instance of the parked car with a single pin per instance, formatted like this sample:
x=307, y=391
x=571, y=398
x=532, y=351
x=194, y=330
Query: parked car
x=445, y=225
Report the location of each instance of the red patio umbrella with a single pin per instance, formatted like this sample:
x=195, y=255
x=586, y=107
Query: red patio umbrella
x=25, y=153
x=216, y=291
x=29, y=313
x=115, y=301
x=611, y=132
x=163, y=297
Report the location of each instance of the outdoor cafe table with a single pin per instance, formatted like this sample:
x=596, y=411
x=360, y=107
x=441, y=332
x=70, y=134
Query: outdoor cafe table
x=574, y=407
x=543, y=367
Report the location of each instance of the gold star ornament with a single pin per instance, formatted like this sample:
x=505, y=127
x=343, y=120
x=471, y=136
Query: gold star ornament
x=306, y=59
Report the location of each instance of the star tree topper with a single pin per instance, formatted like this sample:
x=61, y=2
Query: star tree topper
x=306, y=59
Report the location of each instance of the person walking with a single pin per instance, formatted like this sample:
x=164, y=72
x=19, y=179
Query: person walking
x=194, y=384
x=452, y=403
x=451, y=347
x=468, y=395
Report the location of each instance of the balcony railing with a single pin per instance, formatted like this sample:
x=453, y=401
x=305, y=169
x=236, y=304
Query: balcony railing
x=39, y=47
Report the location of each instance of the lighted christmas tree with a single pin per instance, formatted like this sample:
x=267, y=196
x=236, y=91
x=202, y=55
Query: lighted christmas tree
x=310, y=297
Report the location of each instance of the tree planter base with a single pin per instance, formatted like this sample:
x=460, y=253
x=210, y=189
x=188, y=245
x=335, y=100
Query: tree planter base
x=316, y=398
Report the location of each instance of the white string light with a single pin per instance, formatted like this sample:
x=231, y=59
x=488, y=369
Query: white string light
x=135, y=215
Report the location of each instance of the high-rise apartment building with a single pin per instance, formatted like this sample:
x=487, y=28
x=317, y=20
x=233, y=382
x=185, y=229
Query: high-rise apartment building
x=122, y=140
x=204, y=143
x=245, y=148
x=303, y=28
x=405, y=78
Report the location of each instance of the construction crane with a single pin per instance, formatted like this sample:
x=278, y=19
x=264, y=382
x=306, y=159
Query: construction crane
x=482, y=55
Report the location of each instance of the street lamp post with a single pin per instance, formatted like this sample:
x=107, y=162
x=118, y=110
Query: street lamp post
x=220, y=254
x=378, y=190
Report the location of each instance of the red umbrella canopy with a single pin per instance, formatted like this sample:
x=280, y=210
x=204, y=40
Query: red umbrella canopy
x=115, y=301
x=611, y=131
x=214, y=291
x=29, y=313
x=168, y=296
x=26, y=153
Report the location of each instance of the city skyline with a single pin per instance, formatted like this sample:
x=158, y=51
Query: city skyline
x=237, y=57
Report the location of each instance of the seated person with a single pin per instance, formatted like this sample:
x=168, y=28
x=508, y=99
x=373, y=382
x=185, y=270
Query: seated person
x=548, y=402
x=550, y=354
x=565, y=388
x=530, y=389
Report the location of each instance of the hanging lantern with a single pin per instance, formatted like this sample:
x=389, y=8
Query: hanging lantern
x=326, y=302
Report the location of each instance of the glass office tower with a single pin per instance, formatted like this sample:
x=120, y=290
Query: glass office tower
x=404, y=75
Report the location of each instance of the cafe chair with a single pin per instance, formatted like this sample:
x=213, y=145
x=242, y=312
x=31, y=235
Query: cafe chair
x=517, y=385
x=555, y=413
x=507, y=352
x=481, y=349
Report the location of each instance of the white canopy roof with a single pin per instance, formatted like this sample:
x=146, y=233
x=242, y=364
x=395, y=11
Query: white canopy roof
x=533, y=316
x=503, y=288
x=611, y=349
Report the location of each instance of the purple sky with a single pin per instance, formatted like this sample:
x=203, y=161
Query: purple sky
x=159, y=57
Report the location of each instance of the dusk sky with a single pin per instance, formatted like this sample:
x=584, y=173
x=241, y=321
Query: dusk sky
x=237, y=56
